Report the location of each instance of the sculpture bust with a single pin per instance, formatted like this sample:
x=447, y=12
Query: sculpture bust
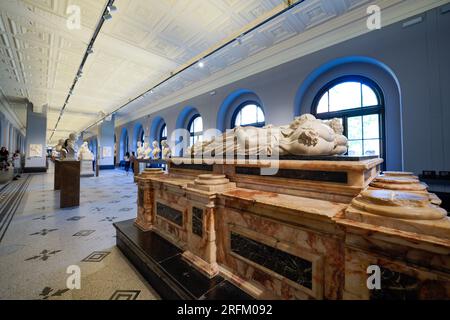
x=140, y=150
x=147, y=150
x=156, y=150
x=305, y=135
x=166, y=152
x=60, y=145
x=69, y=151
x=57, y=150
x=85, y=154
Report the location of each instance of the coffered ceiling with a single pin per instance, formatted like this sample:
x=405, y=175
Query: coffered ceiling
x=144, y=42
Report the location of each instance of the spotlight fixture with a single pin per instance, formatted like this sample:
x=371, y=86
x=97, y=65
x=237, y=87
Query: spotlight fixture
x=239, y=39
x=107, y=16
x=90, y=51
x=112, y=8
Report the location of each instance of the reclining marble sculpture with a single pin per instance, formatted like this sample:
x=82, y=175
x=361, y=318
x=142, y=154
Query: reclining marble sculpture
x=306, y=135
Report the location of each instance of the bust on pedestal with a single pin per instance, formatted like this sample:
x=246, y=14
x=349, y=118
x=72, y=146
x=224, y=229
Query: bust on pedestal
x=156, y=150
x=166, y=152
x=147, y=150
x=69, y=174
x=86, y=157
x=140, y=150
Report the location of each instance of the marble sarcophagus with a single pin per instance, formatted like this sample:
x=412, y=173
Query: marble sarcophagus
x=318, y=228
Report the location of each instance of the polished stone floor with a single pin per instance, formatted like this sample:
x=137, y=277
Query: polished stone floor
x=42, y=241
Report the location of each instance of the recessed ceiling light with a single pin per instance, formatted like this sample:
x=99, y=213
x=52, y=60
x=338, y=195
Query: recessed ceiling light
x=201, y=64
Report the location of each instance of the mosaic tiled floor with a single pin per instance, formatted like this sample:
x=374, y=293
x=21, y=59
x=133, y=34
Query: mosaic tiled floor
x=42, y=241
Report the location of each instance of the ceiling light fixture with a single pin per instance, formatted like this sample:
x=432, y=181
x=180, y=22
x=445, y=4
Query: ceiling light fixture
x=89, y=50
x=290, y=4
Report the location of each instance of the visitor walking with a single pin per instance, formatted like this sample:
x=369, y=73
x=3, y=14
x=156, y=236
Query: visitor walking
x=127, y=162
x=17, y=164
x=132, y=160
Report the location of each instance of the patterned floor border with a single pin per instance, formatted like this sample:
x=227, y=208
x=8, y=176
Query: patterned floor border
x=11, y=196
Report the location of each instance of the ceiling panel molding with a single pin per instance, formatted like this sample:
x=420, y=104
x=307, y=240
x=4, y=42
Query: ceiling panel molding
x=336, y=30
x=147, y=41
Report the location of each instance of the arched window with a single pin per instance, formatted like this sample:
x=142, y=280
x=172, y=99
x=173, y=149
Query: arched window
x=195, y=128
x=248, y=114
x=359, y=103
x=163, y=133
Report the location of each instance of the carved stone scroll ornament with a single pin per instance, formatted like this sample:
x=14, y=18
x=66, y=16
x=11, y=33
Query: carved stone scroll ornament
x=403, y=181
x=398, y=204
x=306, y=135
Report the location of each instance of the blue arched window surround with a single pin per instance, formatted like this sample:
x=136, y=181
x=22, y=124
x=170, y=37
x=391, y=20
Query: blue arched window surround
x=195, y=127
x=359, y=102
x=256, y=115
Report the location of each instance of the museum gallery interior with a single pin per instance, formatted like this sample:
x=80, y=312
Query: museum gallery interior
x=224, y=150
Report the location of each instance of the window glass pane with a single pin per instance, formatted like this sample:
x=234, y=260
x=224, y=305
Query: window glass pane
x=323, y=103
x=248, y=114
x=164, y=131
x=237, y=121
x=355, y=148
x=355, y=128
x=260, y=115
x=198, y=124
x=369, y=96
x=371, y=127
x=372, y=147
x=344, y=96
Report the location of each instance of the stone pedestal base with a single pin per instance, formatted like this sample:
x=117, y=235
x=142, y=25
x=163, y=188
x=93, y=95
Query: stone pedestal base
x=70, y=184
x=86, y=168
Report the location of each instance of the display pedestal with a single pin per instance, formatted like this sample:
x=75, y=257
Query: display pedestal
x=70, y=184
x=57, y=175
x=86, y=168
x=310, y=230
x=139, y=165
x=162, y=264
